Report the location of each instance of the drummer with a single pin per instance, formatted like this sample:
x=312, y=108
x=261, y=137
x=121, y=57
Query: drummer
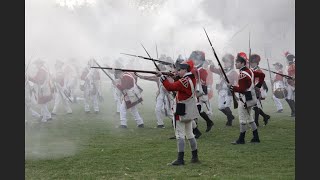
x=278, y=87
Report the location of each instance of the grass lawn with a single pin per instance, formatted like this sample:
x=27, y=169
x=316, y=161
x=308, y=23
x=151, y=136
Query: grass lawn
x=88, y=146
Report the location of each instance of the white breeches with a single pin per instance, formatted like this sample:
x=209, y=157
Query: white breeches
x=277, y=102
x=59, y=100
x=134, y=112
x=224, y=100
x=245, y=117
x=291, y=92
x=116, y=97
x=163, y=108
x=184, y=129
x=45, y=112
x=88, y=98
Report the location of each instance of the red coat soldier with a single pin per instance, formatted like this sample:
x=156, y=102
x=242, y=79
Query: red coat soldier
x=131, y=98
x=261, y=93
x=247, y=96
x=185, y=110
x=291, y=83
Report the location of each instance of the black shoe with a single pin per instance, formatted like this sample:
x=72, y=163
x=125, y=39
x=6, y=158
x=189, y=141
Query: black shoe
x=198, y=135
x=141, y=126
x=179, y=160
x=194, y=158
x=53, y=114
x=173, y=137
x=177, y=163
x=209, y=126
x=293, y=114
x=266, y=119
x=237, y=142
x=229, y=123
x=123, y=126
x=254, y=140
x=161, y=126
x=240, y=139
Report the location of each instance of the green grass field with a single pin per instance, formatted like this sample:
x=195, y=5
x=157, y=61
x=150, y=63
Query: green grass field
x=88, y=146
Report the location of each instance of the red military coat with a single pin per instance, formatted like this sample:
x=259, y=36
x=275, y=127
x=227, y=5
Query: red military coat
x=244, y=81
x=182, y=86
x=292, y=73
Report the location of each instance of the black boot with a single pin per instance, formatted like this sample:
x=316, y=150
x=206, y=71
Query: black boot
x=230, y=117
x=225, y=113
x=195, y=158
x=241, y=139
x=255, y=138
x=180, y=160
x=196, y=132
x=292, y=107
x=266, y=117
x=208, y=120
x=256, y=115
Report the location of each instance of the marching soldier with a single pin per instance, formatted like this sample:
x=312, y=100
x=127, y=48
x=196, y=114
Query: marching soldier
x=30, y=97
x=185, y=110
x=261, y=93
x=44, y=89
x=209, y=82
x=278, y=84
x=291, y=83
x=63, y=93
x=224, y=94
x=91, y=87
x=131, y=98
x=198, y=57
x=246, y=89
x=164, y=99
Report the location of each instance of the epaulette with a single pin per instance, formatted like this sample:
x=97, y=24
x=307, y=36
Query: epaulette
x=184, y=82
x=242, y=75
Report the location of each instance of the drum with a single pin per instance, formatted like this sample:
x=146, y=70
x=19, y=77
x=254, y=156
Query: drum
x=279, y=90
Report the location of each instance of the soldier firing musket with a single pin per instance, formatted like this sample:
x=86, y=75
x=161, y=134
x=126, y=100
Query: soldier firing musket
x=164, y=98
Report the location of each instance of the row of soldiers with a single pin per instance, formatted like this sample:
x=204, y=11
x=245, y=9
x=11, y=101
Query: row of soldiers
x=176, y=94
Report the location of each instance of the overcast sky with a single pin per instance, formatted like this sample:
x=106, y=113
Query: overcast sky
x=105, y=28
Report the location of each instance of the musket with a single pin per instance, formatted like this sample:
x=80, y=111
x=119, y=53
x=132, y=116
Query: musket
x=234, y=35
x=249, y=49
x=283, y=75
x=235, y=102
x=154, y=64
x=137, y=71
x=105, y=72
x=157, y=51
x=270, y=74
x=150, y=59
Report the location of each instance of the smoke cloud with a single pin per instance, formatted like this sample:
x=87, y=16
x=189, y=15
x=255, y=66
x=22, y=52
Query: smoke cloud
x=104, y=28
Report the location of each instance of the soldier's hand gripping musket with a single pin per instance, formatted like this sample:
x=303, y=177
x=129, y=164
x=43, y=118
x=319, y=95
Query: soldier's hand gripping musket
x=235, y=102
